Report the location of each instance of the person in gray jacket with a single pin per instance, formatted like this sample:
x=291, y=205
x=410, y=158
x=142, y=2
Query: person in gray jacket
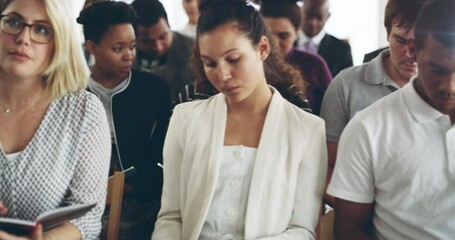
x=160, y=50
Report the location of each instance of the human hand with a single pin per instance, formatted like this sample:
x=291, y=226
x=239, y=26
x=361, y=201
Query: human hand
x=3, y=209
x=37, y=234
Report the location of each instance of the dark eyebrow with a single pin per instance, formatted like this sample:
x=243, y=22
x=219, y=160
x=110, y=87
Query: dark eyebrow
x=223, y=54
x=42, y=21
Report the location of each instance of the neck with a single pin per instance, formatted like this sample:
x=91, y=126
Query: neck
x=14, y=93
x=106, y=80
x=17, y=99
x=256, y=103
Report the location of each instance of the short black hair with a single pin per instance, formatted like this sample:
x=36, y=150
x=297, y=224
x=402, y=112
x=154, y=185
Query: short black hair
x=282, y=8
x=98, y=17
x=437, y=19
x=149, y=12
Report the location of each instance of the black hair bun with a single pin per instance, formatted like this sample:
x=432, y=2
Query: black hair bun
x=207, y=4
x=106, y=12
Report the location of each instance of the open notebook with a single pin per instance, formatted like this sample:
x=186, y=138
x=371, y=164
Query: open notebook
x=48, y=219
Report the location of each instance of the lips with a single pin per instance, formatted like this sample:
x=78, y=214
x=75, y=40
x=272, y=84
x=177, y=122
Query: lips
x=409, y=66
x=19, y=55
x=229, y=89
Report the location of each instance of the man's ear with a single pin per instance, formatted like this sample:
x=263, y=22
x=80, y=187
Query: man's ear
x=264, y=47
x=90, y=45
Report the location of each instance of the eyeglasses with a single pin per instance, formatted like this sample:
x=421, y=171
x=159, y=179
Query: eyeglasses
x=14, y=25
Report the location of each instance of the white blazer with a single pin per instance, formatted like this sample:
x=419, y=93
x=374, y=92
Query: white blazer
x=288, y=178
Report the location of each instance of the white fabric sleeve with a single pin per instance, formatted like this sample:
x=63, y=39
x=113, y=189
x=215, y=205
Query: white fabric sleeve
x=169, y=222
x=353, y=178
x=89, y=183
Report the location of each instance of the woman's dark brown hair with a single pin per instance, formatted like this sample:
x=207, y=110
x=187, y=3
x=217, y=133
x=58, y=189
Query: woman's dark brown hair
x=215, y=13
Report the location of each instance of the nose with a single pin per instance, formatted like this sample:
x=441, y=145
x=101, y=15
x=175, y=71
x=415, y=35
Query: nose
x=24, y=36
x=223, y=73
x=129, y=54
x=157, y=47
x=409, y=49
x=448, y=84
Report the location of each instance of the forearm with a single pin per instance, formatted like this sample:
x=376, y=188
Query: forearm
x=349, y=232
x=66, y=231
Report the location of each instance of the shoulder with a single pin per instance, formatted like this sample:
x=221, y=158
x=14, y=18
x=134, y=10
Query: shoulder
x=181, y=39
x=293, y=115
x=305, y=57
x=350, y=76
x=148, y=79
x=79, y=107
x=330, y=39
x=383, y=110
x=196, y=107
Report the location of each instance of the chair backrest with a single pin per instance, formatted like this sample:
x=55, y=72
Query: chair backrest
x=325, y=226
x=114, y=199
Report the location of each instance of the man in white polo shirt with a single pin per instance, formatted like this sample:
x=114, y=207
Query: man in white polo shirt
x=395, y=171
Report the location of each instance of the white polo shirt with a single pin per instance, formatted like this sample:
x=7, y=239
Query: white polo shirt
x=400, y=154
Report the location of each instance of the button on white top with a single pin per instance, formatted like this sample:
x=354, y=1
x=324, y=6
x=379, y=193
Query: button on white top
x=227, y=237
x=235, y=183
x=226, y=216
x=231, y=212
x=238, y=154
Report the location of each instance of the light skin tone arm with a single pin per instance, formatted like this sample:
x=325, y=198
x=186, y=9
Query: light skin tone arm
x=331, y=155
x=353, y=220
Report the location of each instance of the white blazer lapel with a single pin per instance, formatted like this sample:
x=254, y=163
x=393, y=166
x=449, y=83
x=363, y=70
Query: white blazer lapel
x=265, y=155
x=216, y=143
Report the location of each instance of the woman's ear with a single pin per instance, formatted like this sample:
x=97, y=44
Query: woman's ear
x=90, y=45
x=264, y=48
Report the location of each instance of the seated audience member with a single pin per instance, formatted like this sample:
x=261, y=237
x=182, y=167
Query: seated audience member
x=313, y=38
x=251, y=165
x=283, y=19
x=395, y=167
x=138, y=110
x=88, y=57
x=192, y=11
x=358, y=87
x=54, y=135
x=160, y=50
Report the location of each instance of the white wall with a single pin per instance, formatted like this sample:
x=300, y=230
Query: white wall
x=360, y=21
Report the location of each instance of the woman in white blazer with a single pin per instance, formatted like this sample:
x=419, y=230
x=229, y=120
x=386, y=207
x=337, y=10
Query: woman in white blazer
x=246, y=163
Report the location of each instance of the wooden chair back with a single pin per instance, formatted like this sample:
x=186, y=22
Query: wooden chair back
x=114, y=200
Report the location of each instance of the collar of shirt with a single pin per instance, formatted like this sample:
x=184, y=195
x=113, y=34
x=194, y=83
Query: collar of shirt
x=376, y=74
x=421, y=110
x=302, y=38
x=100, y=89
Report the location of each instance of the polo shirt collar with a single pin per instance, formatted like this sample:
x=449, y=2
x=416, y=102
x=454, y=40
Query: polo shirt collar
x=419, y=108
x=376, y=73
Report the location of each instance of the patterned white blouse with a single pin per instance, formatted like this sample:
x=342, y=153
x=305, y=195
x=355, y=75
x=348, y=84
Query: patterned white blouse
x=65, y=163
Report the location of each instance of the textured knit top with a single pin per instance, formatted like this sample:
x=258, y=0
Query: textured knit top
x=66, y=162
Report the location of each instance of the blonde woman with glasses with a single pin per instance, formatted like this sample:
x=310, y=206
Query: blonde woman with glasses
x=54, y=136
